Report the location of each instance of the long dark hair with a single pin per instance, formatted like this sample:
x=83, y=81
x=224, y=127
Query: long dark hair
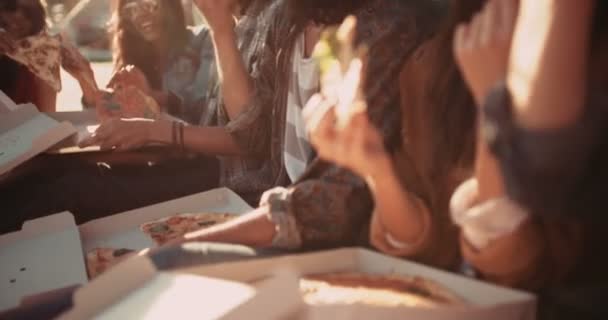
x=132, y=49
x=10, y=69
x=453, y=117
x=438, y=115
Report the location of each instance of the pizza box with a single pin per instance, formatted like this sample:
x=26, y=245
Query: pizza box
x=25, y=133
x=45, y=255
x=134, y=289
x=487, y=301
x=6, y=103
x=122, y=230
x=85, y=122
x=48, y=253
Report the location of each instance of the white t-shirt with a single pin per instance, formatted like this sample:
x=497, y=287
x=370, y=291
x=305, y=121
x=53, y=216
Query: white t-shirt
x=304, y=83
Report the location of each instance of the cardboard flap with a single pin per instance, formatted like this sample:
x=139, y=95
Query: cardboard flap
x=111, y=287
x=6, y=103
x=26, y=133
x=157, y=295
x=85, y=122
x=16, y=118
x=45, y=255
x=264, y=305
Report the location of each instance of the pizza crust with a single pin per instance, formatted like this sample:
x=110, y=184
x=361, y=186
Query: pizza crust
x=376, y=290
x=174, y=227
x=100, y=260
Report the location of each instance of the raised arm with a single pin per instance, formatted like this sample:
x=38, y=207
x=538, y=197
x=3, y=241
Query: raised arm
x=548, y=66
x=235, y=81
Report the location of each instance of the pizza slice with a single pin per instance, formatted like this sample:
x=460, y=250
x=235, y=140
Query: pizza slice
x=174, y=227
x=376, y=290
x=99, y=260
x=127, y=102
x=40, y=54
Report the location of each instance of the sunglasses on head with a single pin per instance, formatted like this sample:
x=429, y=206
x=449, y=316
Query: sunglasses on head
x=137, y=7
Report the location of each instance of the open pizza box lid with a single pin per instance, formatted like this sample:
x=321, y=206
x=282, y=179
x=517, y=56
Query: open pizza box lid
x=487, y=301
x=45, y=255
x=85, y=123
x=25, y=133
x=48, y=253
x=136, y=290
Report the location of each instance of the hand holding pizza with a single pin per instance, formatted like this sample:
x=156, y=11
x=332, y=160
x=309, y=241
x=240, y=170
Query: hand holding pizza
x=126, y=102
x=337, y=119
x=130, y=76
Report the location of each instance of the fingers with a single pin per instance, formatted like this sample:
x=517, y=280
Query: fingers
x=119, y=76
x=320, y=118
x=489, y=22
x=104, y=137
x=460, y=38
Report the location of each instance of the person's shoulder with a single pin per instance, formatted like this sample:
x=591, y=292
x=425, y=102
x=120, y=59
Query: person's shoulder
x=199, y=35
x=198, y=31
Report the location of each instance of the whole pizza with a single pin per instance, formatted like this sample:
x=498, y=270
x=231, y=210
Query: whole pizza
x=174, y=227
x=376, y=290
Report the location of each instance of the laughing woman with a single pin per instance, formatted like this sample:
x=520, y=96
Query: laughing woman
x=156, y=53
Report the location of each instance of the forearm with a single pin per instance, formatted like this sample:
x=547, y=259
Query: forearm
x=251, y=229
x=89, y=93
x=548, y=65
x=208, y=140
x=404, y=216
x=235, y=81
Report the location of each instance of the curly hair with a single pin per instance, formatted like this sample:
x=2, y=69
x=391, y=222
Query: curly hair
x=34, y=12
x=130, y=48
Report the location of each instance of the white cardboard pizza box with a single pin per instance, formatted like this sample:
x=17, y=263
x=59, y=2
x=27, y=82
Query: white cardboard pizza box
x=122, y=230
x=135, y=290
x=48, y=253
x=486, y=301
x=25, y=133
x=85, y=122
x=45, y=255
